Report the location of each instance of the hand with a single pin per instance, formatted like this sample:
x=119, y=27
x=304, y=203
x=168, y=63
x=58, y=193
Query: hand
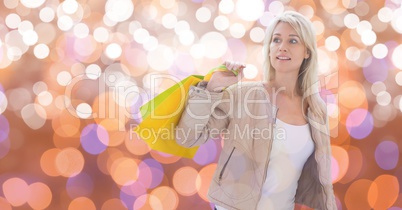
x=222, y=79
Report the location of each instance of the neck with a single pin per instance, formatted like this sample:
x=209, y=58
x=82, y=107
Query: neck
x=287, y=83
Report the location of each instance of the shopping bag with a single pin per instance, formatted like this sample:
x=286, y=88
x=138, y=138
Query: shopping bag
x=161, y=115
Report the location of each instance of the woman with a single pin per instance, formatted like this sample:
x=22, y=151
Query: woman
x=276, y=145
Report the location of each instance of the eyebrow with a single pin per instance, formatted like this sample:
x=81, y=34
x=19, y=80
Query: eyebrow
x=278, y=34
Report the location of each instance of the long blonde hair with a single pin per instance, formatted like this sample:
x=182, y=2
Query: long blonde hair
x=307, y=82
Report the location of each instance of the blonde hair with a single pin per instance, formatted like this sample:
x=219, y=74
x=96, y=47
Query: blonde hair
x=307, y=82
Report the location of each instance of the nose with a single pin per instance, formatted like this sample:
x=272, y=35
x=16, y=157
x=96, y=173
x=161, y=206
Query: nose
x=283, y=47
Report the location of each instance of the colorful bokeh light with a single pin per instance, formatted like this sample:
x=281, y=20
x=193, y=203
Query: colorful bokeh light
x=73, y=75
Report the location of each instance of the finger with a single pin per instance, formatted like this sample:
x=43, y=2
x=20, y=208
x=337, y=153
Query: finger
x=230, y=65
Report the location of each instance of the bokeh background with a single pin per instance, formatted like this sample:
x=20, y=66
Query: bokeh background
x=74, y=73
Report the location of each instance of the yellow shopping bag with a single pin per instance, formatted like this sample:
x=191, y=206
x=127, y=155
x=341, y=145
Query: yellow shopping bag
x=161, y=115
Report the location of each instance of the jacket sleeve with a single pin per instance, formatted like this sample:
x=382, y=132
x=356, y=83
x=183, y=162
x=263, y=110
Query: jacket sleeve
x=204, y=117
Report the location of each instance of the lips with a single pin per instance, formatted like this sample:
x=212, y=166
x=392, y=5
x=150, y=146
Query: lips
x=283, y=58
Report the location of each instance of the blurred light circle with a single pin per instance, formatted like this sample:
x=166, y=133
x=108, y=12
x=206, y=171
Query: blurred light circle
x=396, y=57
x=342, y=161
x=41, y=51
x=5, y=146
x=387, y=155
x=101, y=34
x=226, y=6
x=14, y=53
x=69, y=6
x=4, y=128
x=114, y=203
x=136, y=146
x=383, y=192
x=48, y=163
x=93, y=71
x=359, y=123
x=215, y=45
x=375, y=72
x=362, y=8
x=164, y=197
x=250, y=10
x=257, y=34
x=307, y=11
x=69, y=162
x=63, y=78
x=203, y=14
x=368, y=37
x=81, y=30
x=45, y=98
x=221, y=23
x=113, y=51
x=4, y=204
x=143, y=202
x=378, y=87
x=383, y=98
x=119, y=10
x=204, y=179
x=358, y=187
x=25, y=26
x=164, y=158
x=13, y=20
x=332, y=43
x=34, y=116
x=3, y=102
x=352, y=53
x=32, y=3
x=126, y=93
x=276, y=7
x=46, y=14
x=84, y=110
x=151, y=44
x=157, y=172
x=30, y=37
x=398, y=78
x=141, y=35
x=94, y=139
x=250, y=72
x=184, y=180
x=363, y=26
x=82, y=203
x=380, y=51
x=65, y=23
x=161, y=58
x=40, y=195
x=206, y=153
x=186, y=37
x=169, y=20
x=181, y=26
x=385, y=14
x=79, y=186
x=237, y=30
x=319, y=27
x=355, y=165
x=16, y=191
x=124, y=171
x=133, y=189
x=11, y=4
x=197, y=51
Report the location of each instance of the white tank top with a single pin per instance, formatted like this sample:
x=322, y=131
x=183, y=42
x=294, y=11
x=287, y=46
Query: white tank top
x=291, y=148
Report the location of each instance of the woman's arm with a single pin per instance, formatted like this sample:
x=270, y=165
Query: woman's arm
x=204, y=116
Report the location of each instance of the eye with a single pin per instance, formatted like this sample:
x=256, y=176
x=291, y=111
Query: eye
x=276, y=40
x=293, y=41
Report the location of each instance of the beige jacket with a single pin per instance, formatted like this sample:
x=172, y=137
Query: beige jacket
x=244, y=117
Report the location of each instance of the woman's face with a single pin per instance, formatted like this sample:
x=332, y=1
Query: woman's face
x=286, y=50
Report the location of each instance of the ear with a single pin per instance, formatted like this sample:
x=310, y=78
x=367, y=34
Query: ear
x=307, y=54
